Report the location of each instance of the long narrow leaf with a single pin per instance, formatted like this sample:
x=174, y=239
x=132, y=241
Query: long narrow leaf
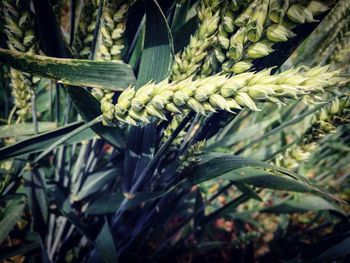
x=157, y=57
x=24, y=129
x=110, y=203
x=11, y=215
x=263, y=179
x=99, y=74
x=213, y=165
x=41, y=142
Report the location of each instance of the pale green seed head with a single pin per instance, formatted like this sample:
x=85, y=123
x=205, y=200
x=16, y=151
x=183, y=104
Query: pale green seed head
x=286, y=90
x=257, y=91
x=91, y=27
x=117, y=33
x=244, y=16
x=116, y=50
x=334, y=106
x=146, y=92
x=279, y=33
x=127, y=120
x=188, y=90
x=202, y=12
x=195, y=105
x=327, y=128
x=125, y=97
x=260, y=49
x=277, y=10
x=173, y=108
x=207, y=107
x=291, y=78
x=240, y=79
x=138, y=115
x=167, y=95
x=202, y=94
x=276, y=15
x=299, y=155
x=120, y=14
x=89, y=39
x=316, y=71
x=223, y=40
x=228, y=21
x=13, y=29
x=137, y=104
x=228, y=89
x=242, y=66
x=236, y=51
x=218, y=101
x=300, y=14
x=180, y=98
x=236, y=44
x=209, y=26
x=262, y=77
x=159, y=102
x=256, y=22
x=108, y=22
x=317, y=7
x=220, y=56
x=108, y=110
x=25, y=21
x=234, y=5
x=119, y=111
x=233, y=104
x=254, y=31
x=153, y=111
x=29, y=37
x=244, y=99
x=296, y=13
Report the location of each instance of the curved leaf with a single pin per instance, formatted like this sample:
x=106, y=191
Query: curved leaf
x=214, y=164
x=303, y=204
x=263, y=179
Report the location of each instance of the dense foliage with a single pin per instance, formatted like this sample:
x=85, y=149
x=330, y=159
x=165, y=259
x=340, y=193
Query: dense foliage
x=174, y=131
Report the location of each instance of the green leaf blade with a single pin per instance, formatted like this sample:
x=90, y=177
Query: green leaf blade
x=110, y=75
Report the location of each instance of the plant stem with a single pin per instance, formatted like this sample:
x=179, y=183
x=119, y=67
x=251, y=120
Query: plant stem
x=35, y=120
x=148, y=168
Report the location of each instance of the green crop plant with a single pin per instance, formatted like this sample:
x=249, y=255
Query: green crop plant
x=173, y=131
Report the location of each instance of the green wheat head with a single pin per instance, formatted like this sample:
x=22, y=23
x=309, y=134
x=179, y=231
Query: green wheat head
x=323, y=122
x=214, y=93
x=19, y=29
